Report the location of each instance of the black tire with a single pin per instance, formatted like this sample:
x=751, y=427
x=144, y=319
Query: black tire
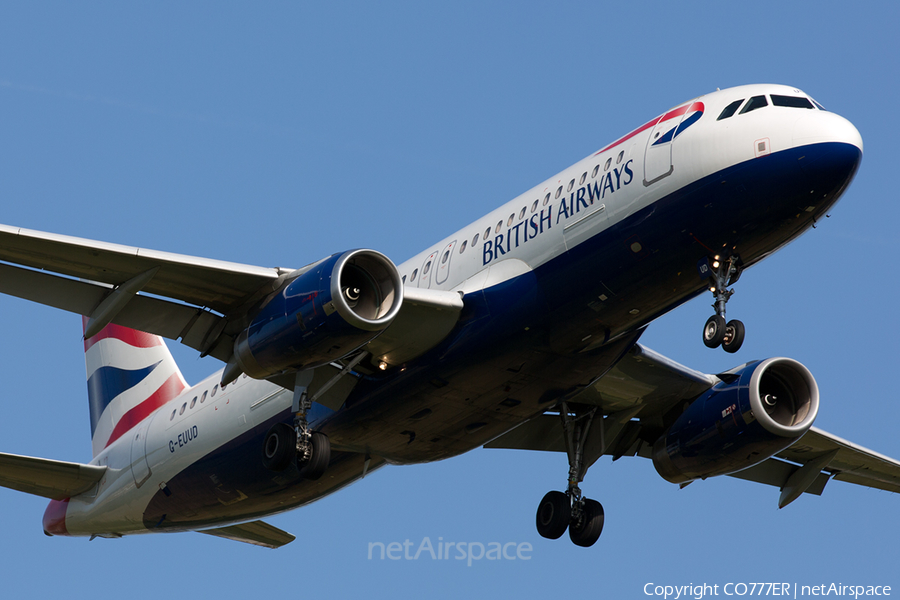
x=315, y=467
x=553, y=515
x=588, y=531
x=734, y=336
x=279, y=447
x=714, y=331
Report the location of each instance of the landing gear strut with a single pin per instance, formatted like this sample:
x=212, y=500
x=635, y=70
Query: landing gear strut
x=285, y=443
x=313, y=450
x=716, y=332
x=559, y=511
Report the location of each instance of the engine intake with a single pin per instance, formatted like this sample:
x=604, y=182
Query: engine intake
x=764, y=408
x=322, y=315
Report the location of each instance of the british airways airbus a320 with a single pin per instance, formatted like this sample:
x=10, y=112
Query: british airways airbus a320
x=518, y=331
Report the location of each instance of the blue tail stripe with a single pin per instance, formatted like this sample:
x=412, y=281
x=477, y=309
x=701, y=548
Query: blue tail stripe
x=108, y=382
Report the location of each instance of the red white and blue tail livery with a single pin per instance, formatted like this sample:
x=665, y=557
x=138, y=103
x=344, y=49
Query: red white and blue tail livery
x=130, y=374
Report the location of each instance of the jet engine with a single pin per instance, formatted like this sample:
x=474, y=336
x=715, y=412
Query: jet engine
x=322, y=315
x=758, y=410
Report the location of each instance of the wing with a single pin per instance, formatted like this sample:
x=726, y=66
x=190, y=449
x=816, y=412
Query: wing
x=645, y=385
x=817, y=456
x=54, y=479
x=258, y=533
x=195, y=294
x=201, y=302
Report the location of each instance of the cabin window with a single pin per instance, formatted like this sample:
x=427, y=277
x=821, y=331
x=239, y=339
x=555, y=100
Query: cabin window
x=203, y=397
x=403, y=280
x=558, y=191
x=510, y=220
x=413, y=277
x=594, y=172
x=173, y=413
x=498, y=227
x=546, y=198
x=183, y=406
x=730, y=109
x=427, y=267
x=534, y=206
x=791, y=101
x=522, y=212
x=193, y=402
x=487, y=233
x=445, y=257
x=754, y=103
x=215, y=389
x=475, y=239
x=571, y=185
x=462, y=247
x=583, y=177
x=608, y=163
x=620, y=157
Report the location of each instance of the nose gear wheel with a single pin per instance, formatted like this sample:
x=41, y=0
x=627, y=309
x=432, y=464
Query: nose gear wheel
x=723, y=273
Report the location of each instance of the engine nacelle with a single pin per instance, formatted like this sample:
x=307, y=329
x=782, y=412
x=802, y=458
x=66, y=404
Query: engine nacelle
x=322, y=315
x=764, y=408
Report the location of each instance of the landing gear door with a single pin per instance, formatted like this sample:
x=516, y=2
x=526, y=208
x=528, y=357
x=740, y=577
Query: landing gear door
x=442, y=271
x=140, y=467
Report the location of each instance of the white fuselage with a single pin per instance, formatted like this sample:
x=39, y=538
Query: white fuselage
x=518, y=237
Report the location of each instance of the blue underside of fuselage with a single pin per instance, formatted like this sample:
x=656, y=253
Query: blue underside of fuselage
x=752, y=209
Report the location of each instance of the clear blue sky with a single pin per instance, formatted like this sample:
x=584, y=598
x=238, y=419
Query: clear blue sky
x=278, y=133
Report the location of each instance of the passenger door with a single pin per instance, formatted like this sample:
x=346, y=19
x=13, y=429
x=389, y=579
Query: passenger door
x=140, y=467
x=658, y=155
x=442, y=270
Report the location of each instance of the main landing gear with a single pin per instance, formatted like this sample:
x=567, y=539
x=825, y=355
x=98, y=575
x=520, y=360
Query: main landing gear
x=716, y=332
x=310, y=449
x=559, y=511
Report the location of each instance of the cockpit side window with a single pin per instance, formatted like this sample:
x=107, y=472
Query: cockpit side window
x=730, y=109
x=791, y=101
x=754, y=103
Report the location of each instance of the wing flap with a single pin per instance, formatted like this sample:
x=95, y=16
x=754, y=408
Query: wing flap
x=258, y=533
x=54, y=479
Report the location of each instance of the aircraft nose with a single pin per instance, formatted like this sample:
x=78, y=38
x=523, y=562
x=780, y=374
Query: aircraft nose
x=819, y=126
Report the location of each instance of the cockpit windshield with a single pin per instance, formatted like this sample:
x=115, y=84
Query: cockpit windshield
x=791, y=101
x=754, y=103
x=730, y=109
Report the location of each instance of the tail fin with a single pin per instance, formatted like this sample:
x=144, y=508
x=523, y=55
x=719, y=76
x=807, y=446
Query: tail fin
x=129, y=375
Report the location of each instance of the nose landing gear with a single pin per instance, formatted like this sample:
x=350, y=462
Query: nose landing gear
x=559, y=511
x=717, y=332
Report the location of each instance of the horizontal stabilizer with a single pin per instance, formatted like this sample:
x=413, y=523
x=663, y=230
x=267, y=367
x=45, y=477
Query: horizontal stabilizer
x=54, y=479
x=257, y=533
